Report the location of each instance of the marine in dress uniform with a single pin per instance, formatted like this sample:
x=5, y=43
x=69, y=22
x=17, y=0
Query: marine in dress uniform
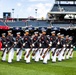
x=10, y=42
x=35, y=44
x=53, y=39
x=69, y=55
x=4, y=46
x=44, y=45
x=67, y=46
x=19, y=43
x=50, y=44
x=61, y=47
x=59, y=52
x=27, y=45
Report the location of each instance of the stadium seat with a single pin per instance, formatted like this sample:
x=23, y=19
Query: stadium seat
x=16, y=24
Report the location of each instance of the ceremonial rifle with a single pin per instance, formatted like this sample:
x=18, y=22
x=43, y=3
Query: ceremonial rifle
x=46, y=52
x=13, y=45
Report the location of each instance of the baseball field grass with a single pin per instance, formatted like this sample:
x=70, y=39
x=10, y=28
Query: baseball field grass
x=67, y=67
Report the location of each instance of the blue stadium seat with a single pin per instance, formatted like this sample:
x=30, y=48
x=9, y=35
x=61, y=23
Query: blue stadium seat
x=16, y=24
x=38, y=23
x=2, y=23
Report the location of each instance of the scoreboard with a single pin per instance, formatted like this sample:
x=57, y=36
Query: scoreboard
x=6, y=14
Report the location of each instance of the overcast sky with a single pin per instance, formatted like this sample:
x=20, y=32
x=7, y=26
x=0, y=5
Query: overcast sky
x=26, y=8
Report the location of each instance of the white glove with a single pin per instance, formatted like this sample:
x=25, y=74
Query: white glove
x=15, y=42
x=50, y=44
x=6, y=45
x=33, y=45
x=63, y=45
x=58, y=43
x=67, y=45
x=71, y=45
x=23, y=44
x=40, y=45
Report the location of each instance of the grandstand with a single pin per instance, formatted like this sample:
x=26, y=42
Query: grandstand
x=63, y=14
x=16, y=24
x=28, y=23
x=64, y=8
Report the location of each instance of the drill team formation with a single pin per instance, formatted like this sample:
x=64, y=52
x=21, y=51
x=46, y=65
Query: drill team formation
x=38, y=47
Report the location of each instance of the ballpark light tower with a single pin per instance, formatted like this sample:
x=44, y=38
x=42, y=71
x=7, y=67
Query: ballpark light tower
x=36, y=12
x=13, y=13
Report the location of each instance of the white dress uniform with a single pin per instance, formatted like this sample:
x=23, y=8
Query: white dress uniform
x=27, y=46
x=33, y=53
x=10, y=42
x=37, y=55
x=41, y=52
x=71, y=53
x=10, y=55
x=19, y=45
x=44, y=45
x=4, y=46
x=53, y=55
x=71, y=48
x=27, y=56
x=35, y=44
x=19, y=55
x=53, y=48
x=4, y=56
x=61, y=50
x=45, y=59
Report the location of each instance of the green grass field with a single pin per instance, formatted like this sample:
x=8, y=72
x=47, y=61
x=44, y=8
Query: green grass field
x=67, y=67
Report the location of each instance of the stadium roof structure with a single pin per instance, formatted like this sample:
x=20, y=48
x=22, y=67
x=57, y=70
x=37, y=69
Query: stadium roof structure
x=63, y=9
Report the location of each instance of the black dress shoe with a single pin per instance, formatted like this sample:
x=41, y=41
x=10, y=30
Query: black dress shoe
x=44, y=63
x=28, y=63
x=9, y=62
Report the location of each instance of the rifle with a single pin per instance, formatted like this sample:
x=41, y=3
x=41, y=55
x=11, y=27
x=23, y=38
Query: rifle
x=71, y=52
x=69, y=48
x=29, y=53
x=55, y=50
x=68, y=52
x=60, y=51
x=19, y=50
x=10, y=48
x=46, y=52
x=42, y=52
x=24, y=54
x=65, y=51
x=3, y=52
x=34, y=52
x=13, y=45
